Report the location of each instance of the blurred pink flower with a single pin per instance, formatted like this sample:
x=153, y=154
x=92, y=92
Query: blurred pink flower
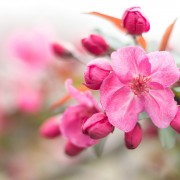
x=33, y=48
x=95, y=73
x=95, y=44
x=139, y=82
x=74, y=117
x=50, y=128
x=28, y=100
x=134, y=21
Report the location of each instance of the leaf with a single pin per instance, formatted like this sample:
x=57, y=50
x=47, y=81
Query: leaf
x=166, y=36
x=117, y=22
x=142, y=42
x=143, y=115
x=98, y=148
x=167, y=137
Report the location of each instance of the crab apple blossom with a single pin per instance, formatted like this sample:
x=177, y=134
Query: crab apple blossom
x=134, y=21
x=134, y=137
x=95, y=73
x=74, y=117
x=97, y=126
x=50, y=128
x=95, y=44
x=139, y=82
x=175, y=123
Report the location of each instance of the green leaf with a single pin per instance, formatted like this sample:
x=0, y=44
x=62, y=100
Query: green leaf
x=167, y=137
x=143, y=115
x=98, y=148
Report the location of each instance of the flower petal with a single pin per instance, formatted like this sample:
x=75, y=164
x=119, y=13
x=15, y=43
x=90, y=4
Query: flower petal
x=81, y=97
x=130, y=61
x=71, y=126
x=122, y=107
x=161, y=106
x=163, y=68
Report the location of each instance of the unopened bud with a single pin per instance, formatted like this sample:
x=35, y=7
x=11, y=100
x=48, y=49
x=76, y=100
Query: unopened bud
x=175, y=123
x=96, y=71
x=97, y=126
x=95, y=45
x=134, y=137
x=72, y=150
x=60, y=51
x=50, y=128
x=134, y=21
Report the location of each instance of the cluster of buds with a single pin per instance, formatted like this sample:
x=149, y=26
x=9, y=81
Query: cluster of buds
x=129, y=84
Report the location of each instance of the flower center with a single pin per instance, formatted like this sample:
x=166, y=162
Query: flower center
x=139, y=85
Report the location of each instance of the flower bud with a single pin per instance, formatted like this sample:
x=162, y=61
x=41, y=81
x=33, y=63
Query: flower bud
x=95, y=45
x=134, y=21
x=50, y=128
x=134, y=137
x=175, y=123
x=60, y=51
x=72, y=150
x=97, y=126
x=96, y=71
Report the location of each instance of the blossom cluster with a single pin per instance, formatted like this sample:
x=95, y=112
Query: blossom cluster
x=130, y=83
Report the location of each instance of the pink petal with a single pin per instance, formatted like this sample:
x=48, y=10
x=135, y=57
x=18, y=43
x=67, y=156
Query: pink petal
x=121, y=106
x=160, y=106
x=163, y=68
x=109, y=86
x=130, y=61
x=71, y=126
x=81, y=97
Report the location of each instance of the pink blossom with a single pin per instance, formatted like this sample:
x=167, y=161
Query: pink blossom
x=72, y=150
x=95, y=44
x=74, y=117
x=95, y=73
x=134, y=21
x=134, y=137
x=50, y=128
x=175, y=123
x=97, y=126
x=33, y=48
x=139, y=82
x=29, y=100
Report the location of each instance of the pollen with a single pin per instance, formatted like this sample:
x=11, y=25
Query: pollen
x=140, y=85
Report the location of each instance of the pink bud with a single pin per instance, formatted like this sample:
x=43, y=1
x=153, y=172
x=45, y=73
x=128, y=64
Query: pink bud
x=95, y=44
x=134, y=21
x=50, y=128
x=59, y=50
x=175, y=123
x=72, y=150
x=96, y=71
x=97, y=126
x=134, y=137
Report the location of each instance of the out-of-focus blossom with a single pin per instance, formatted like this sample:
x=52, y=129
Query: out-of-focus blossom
x=96, y=72
x=175, y=123
x=50, y=128
x=33, y=48
x=134, y=137
x=72, y=150
x=97, y=126
x=95, y=45
x=74, y=116
x=28, y=100
x=135, y=22
x=139, y=82
x=60, y=51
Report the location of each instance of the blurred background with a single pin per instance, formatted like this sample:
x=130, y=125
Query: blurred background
x=32, y=76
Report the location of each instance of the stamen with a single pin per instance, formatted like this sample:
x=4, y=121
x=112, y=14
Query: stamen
x=139, y=85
